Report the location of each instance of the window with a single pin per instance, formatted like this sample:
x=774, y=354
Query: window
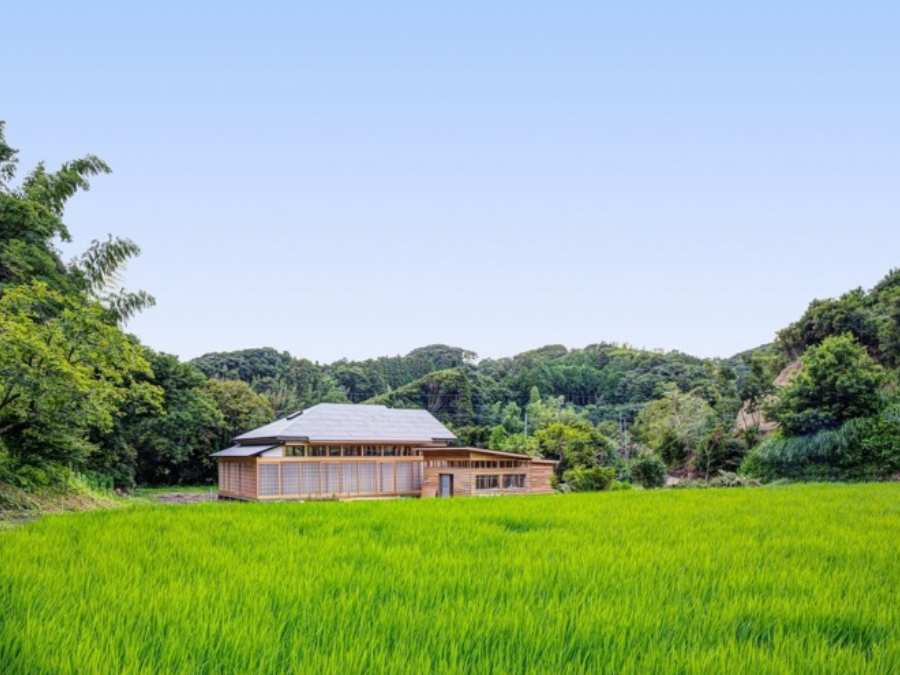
x=372, y=451
x=514, y=480
x=317, y=451
x=268, y=480
x=352, y=451
x=487, y=482
x=390, y=451
x=334, y=451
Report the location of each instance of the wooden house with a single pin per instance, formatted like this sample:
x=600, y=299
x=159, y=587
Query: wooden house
x=336, y=450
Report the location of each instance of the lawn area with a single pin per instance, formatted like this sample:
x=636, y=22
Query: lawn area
x=789, y=579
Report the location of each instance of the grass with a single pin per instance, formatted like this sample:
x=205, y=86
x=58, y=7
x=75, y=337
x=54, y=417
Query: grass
x=800, y=579
x=73, y=494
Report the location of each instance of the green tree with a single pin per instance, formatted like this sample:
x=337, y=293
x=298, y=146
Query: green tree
x=674, y=425
x=65, y=371
x=719, y=451
x=837, y=382
x=648, y=470
x=242, y=408
x=574, y=444
x=31, y=222
x=174, y=445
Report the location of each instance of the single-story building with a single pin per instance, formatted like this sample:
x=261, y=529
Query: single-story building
x=345, y=451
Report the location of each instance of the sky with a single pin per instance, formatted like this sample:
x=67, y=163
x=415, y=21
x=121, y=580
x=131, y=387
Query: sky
x=360, y=179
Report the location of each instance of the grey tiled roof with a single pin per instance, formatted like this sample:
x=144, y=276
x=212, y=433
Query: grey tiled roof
x=243, y=450
x=349, y=422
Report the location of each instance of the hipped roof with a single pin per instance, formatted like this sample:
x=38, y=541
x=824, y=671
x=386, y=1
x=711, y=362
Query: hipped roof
x=351, y=422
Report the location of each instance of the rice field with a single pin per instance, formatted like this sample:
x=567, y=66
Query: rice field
x=800, y=579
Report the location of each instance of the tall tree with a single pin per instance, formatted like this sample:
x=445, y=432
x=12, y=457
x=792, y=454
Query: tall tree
x=65, y=371
x=838, y=381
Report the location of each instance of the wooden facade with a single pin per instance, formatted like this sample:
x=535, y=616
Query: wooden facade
x=360, y=470
x=452, y=472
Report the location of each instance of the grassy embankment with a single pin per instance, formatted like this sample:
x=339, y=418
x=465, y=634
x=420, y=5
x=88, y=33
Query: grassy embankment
x=791, y=579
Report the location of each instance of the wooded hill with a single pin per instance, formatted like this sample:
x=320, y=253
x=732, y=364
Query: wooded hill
x=81, y=397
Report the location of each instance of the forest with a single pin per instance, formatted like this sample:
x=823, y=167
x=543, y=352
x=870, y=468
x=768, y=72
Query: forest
x=81, y=399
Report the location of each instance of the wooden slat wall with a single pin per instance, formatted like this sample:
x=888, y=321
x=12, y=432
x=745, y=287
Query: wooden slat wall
x=237, y=478
x=315, y=478
x=537, y=480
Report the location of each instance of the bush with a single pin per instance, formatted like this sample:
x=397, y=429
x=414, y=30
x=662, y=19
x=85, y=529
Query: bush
x=863, y=448
x=649, y=470
x=729, y=479
x=589, y=479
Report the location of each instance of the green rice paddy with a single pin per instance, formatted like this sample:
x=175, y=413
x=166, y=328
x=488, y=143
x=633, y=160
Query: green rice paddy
x=802, y=579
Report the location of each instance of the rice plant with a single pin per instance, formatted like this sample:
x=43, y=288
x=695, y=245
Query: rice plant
x=801, y=579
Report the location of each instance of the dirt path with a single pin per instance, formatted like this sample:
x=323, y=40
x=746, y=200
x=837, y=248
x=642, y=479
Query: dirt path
x=185, y=497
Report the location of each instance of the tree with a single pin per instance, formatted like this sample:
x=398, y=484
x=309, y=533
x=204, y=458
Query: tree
x=174, y=445
x=357, y=382
x=31, y=221
x=719, y=451
x=838, y=381
x=242, y=408
x=674, y=425
x=65, y=371
x=574, y=444
x=648, y=470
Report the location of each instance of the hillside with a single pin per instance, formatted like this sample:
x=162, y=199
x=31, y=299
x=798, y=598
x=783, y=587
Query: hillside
x=606, y=381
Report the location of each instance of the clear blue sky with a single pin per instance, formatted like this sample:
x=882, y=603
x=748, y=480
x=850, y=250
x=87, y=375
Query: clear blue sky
x=342, y=179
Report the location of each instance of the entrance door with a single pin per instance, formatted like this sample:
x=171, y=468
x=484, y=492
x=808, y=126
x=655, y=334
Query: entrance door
x=445, y=485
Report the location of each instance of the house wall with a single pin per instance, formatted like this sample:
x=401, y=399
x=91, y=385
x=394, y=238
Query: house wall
x=237, y=477
x=345, y=477
x=537, y=480
x=342, y=477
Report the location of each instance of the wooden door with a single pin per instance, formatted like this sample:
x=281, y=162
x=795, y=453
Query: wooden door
x=445, y=485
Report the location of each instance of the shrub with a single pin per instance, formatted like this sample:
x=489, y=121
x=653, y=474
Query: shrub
x=649, y=470
x=863, y=448
x=730, y=479
x=589, y=479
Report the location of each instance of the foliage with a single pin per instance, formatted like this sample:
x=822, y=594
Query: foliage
x=574, y=444
x=720, y=450
x=31, y=222
x=862, y=448
x=674, y=425
x=241, y=408
x=872, y=318
x=838, y=381
x=589, y=479
x=648, y=470
x=64, y=372
x=447, y=394
x=174, y=445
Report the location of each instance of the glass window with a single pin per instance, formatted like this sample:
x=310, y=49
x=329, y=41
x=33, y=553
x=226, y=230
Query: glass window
x=334, y=451
x=487, y=482
x=352, y=451
x=390, y=451
x=514, y=480
x=372, y=451
x=317, y=451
